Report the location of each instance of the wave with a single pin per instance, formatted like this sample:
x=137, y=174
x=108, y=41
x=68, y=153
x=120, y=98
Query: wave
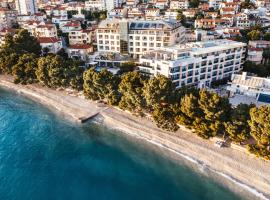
x=201, y=165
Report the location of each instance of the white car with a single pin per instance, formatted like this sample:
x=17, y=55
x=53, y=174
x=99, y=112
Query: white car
x=220, y=144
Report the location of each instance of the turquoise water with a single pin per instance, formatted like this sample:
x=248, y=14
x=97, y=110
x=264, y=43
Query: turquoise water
x=45, y=157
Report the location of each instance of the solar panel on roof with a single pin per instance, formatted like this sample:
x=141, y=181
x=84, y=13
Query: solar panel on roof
x=146, y=25
x=140, y=25
x=132, y=25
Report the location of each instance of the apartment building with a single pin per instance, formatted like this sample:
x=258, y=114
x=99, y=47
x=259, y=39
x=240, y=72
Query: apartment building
x=25, y=7
x=214, y=3
x=80, y=37
x=244, y=21
x=50, y=44
x=176, y=4
x=152, y=13
x=255, y=55
x=197, y=64
x=70, y=26
x=211, y=23
x=45, y=30
x=171, y=14
x=95, y=5
x=7, y=17
x=135, y=37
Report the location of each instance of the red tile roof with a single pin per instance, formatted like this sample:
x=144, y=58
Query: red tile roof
x=48, y=40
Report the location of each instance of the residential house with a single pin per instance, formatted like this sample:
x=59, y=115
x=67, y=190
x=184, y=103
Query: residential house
x=50, y=44
x=79, y=51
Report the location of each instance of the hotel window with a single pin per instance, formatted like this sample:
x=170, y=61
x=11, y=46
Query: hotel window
x=190, y=66
x=137, y=38
x=184, y=68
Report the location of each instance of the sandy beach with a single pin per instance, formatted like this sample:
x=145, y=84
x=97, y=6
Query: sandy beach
x=243, y=170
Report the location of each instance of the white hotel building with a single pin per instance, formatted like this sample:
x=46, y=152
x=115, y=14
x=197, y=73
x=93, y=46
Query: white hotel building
x=135, y=37
x=197, y=63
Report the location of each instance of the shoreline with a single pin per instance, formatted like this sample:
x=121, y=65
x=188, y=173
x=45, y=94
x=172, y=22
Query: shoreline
x=246, y=171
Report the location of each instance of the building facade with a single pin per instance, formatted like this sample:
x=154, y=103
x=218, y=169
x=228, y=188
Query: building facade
x=25, y=7
x=250, y=86
x=197, y=64
x=135, y=37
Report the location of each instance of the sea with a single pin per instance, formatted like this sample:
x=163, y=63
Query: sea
x=44, y=155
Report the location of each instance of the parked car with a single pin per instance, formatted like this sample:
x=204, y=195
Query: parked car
x=220, y=144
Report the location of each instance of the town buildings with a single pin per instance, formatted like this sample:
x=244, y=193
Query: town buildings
x=197, y=64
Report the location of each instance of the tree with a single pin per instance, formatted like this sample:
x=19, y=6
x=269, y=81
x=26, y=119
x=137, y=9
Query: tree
x=22, y=43
x=266, y=56
x=261, y=69
x=159, y=91
x=50, y=71
x=24, y=70
x=247, y=4
x=131, y=88
x=7, y=61
x=89, y=86
x=260, y=130
x=215, y=111
x=253, y=35
x=165, y=118
x=238, y=127
x=74, y=74
x=190, y=111
x=194, y=3
x=101, y=85
x=127, y=67
x=266, y=36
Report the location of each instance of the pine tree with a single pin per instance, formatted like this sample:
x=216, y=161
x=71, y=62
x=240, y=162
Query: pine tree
x=159, y=91
x=260, y=130
x=131, y=88
x=238, y=127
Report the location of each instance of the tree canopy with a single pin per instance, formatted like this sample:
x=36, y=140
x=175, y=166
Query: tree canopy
x=159, y=90
x=131, y=88
x=260, y=130
x=22, y=43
